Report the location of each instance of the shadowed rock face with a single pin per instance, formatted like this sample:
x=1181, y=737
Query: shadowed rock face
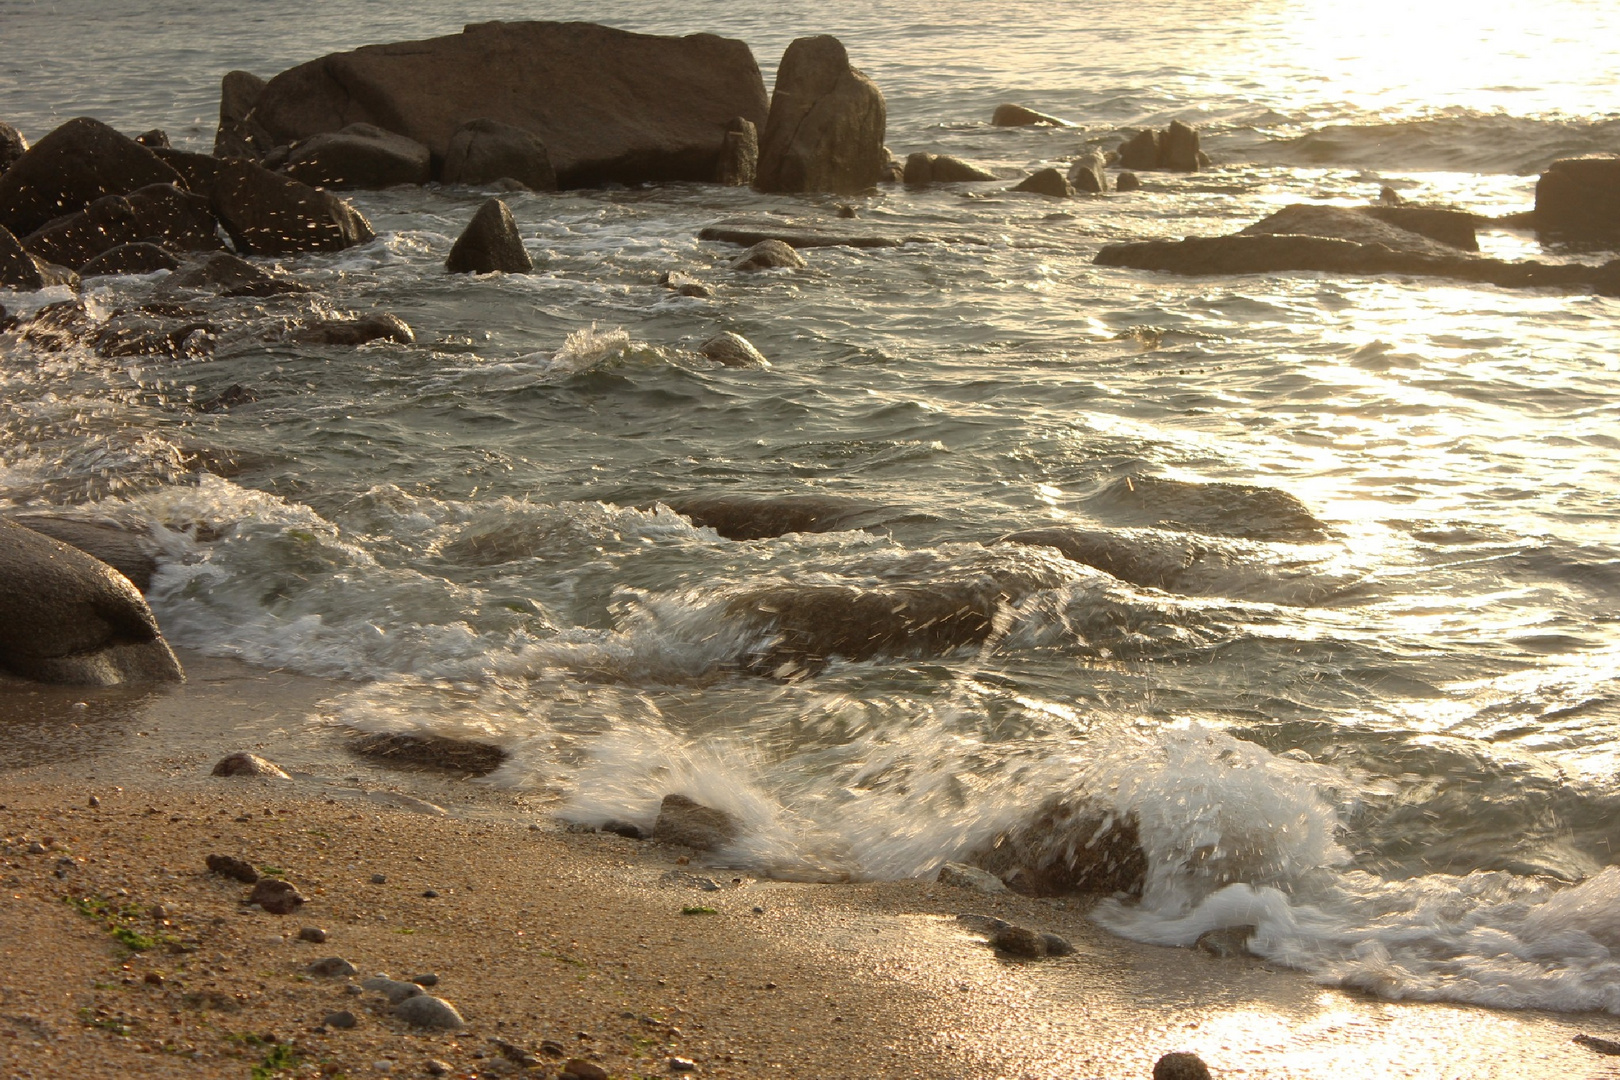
x=1245, y=510
x=270, y=214
x=1580, y=197
x=483, y=151
x=609, y=105
x=1010, y=115
x=68, y=618
x=72, y=167
x=490, y=244
x=121, y=549
x=826, y=125
x=1069, y=848
x=751, y=517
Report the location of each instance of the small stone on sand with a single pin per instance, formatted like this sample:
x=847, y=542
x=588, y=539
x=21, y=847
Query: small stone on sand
x=425, y=1010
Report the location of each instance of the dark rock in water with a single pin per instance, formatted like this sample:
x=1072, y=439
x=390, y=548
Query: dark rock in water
x=1069, y=848
x=683, y=821
x=130, y=259
x=826, y=124
x=66, y=617
x=769, y=255
x=1018, y=116
x=240, y=135
x=77, y=238
x=490, y=244
x=380, y=327
x=228, y=398
x=1454, y=228
x=749, y=233
x=168, y=215
x=1218, y=509
x=267, y=214
x=137, y=334
x=483, y=151
x=609, y=105
x=1179, y=152
x=1124, y=557
x=245, y=764
x=228, y=275
x=942, y=169
x=57, y=326
x=276, y=896
x=1180, y=1066
x=1048, y=182
x=121, y=549
x=199, y=171
x=756, y=517
x=627, y=829
x=1140, y=152
x=432, y=752
x=1086, y=174
x=12, y=146
x=232, y=867
x=1019, y=941
x=1360, y=225
x=738, y=163
x=18, y=269
x=1580, y=197
x=1226, y=942
x=684, y=284
x=1127, y=181
x=154, y=139
x=733, y=350
x=6, y=321
x=845, y=210
x=360, y=156
x=71, y=168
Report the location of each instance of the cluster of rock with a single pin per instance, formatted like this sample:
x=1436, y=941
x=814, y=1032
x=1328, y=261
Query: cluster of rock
x=1175, y=149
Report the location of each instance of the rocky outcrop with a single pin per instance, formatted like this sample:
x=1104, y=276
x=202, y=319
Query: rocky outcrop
x=1176, y=149
x=483, y=151
x=739, y=154
x=1087, y=173
x=1048, y=182
x=72, y=167
x=683, y=820
x=758, y=517
x=360, y=156
x=1580, y=197
x=136, y=258
x=733, y=350
x=158, y=213
x=1010, y=115
x=1070, y=847
x=770, y=255
x=12, y=146
x=1340, y=240
x=922, y=168
x=268, y=214
x=68, y=618
x=609, y=105
x=490, y=244
x=239, y=135
x=826, y=125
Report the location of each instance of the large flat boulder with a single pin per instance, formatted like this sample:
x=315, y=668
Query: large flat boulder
x=66, y=617
x=609, y=105
x=1580, y=196
x=71, y=168
x=826, y=126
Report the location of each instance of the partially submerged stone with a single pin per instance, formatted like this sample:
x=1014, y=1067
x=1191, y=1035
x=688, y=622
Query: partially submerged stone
x=1580, y=197
x=1086, y=173
x=826, y=124
x=923, y=168
x=770, y=255
x=1010, y=115
x=1048, y=182
x=70, y=168
x=682, y=820
x=354, y=332
x=490, y=244
x=431, y=752
x=1069, y=847
x=269, y=214
x=733, y=350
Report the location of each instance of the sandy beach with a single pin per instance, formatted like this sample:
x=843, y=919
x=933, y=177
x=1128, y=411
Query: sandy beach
x=558, y=946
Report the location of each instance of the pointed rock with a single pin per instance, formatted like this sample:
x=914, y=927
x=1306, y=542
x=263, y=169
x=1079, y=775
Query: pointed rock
x=72, y=167
x=490, y=244
x=825, y=129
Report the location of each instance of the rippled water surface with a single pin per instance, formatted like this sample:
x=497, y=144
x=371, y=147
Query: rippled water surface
x=1372, y=715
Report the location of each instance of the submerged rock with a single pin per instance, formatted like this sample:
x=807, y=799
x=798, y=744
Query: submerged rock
x=1220, y=509
x=826, y=124
x=360, y=156
x=431, y=752
x=733, y=350
x=1128, y=558
x=1069, y=847
x=921, y=169
x=72, y=167
x=684, y=284
x=354, y=332
x=66, y=617
x=759, y=517
x=1009, y=115
x=1048, y=182
x=769, y=255
x=483, y=151
x=610, y=106
x=684, y=821
x=490, y=244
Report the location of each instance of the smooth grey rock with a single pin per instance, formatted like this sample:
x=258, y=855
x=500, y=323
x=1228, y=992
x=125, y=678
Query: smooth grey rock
x=428, y=1011
x=963, y=876
x=360, y=156
x=769, y=255
x=269, y=214
x=826, y=124
x=1009, y=115
x=484, y=151
x=733, y=350
x=738, y=162
x=245, y=764
x=67, y=617
x=331, y=967
x=1048, y=182
x=490, y=244
x=394, y=990
x=682, y=820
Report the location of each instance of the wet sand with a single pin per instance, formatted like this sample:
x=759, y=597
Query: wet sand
x=574, y=944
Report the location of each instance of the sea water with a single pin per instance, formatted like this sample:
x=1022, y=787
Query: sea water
x=1388, y=744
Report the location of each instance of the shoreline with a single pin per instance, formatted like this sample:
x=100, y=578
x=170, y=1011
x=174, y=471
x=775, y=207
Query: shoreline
x=540, y=935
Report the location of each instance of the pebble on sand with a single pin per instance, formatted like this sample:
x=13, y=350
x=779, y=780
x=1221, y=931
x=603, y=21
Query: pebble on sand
x=313, y=934
x=332, y=967
x=343, y=1020
x=276, y=896
x=425, y=1010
